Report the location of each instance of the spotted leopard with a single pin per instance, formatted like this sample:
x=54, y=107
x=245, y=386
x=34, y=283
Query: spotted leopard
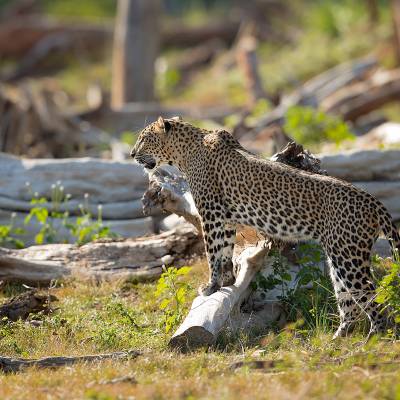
x=232, y=186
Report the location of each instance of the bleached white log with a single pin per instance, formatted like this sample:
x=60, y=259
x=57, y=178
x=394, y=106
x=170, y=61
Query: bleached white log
x=138, y=259
x=117, y=186
x=105, y=181
x=364, y=165
x=168, y=191
x=376, y=171
x=209, y=314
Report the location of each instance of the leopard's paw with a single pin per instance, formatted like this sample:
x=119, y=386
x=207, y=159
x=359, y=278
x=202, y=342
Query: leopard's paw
x=207, y=290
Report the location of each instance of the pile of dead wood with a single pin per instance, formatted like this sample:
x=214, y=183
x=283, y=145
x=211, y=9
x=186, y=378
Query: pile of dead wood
x=33, y=124
x=352, y=91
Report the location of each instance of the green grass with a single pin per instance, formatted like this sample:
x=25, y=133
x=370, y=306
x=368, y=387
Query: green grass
x=105, y=317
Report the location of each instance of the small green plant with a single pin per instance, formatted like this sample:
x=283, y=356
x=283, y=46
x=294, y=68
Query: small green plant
x=48, y=213
x=172, y=290
x=309, y=298
x=279, y=277
x=85, y=229
x=309, y=126
x=312, y=300
x=388, y=291
x=8, y=232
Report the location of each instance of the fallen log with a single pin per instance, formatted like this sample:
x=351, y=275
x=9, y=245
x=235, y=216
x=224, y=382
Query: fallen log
x=363, y=97
x=18, y=36
x=363, y=165
x=116, y=186
x=169, y=192
x=208, y=315
x=10, y=364
x=105, y=181
x=131, y=259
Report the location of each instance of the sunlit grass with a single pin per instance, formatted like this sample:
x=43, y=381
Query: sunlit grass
x=93, y=318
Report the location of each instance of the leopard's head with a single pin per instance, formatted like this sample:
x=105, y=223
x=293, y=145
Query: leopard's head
x=153, y=145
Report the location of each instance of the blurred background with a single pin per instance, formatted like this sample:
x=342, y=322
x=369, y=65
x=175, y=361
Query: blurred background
x=81, y=78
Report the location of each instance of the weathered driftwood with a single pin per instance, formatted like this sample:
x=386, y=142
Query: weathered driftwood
x=117, y=186
x=9, y=364
x=376, y=171
x=105, y=181
x=22, y=305
x=363, y=165
x=169, y=191
x=208, y=315
x=135, y=259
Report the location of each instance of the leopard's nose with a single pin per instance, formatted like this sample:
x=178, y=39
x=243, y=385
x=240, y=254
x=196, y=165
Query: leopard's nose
x=133, y=152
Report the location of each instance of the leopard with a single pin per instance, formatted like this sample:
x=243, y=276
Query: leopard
x=233, y=187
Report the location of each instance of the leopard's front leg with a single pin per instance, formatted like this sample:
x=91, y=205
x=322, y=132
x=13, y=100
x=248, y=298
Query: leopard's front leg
x=213, y=234
x=228, y=277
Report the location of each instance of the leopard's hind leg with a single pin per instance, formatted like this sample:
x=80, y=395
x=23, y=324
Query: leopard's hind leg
x=349, y=311
x=353, y=273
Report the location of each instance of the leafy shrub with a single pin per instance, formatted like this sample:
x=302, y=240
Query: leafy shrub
x=388, y=291
x=172, y=290
x=309, y=126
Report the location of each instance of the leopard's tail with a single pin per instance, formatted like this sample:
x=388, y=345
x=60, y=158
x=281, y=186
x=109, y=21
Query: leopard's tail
x=388, y=227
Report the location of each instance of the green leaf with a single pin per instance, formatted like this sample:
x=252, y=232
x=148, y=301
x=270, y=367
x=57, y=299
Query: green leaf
x=181, y=294
x=19, y=244
x=183, y=271
x=164, y=304
x=39, y=238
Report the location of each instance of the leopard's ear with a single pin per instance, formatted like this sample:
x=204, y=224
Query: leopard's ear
x=177, y=118
x=164, y=124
